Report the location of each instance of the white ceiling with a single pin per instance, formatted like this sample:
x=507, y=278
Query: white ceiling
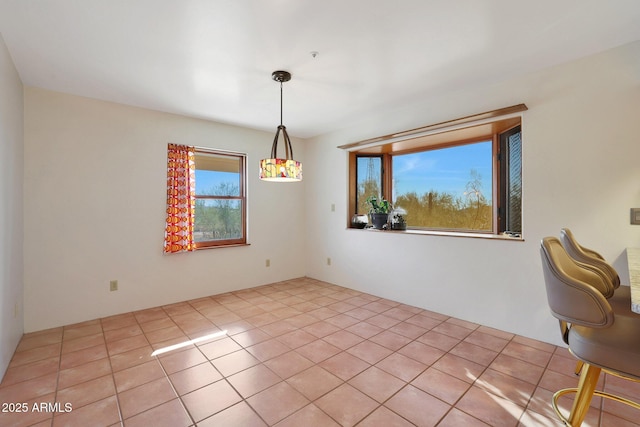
x=213, y=59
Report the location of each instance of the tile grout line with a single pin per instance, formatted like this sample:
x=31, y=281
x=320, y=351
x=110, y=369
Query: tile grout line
x=193, y=421
x=166, y=375
x=245, y=400
x=224, y=377
x=537, y=384
x=55, y=396
x=453, y=405
x=113, y=378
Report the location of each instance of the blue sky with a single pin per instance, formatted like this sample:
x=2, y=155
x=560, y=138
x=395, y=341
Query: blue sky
x=207, y=180
x=443, y=170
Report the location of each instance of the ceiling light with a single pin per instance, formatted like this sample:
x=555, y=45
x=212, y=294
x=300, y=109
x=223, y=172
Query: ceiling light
x=279, y=169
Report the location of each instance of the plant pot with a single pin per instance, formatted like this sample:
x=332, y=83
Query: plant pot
x=359, y=221
x=379, y=220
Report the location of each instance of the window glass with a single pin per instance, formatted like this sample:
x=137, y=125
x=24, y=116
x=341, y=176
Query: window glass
x=446, y=188
x=218, y=219
x=369, y=181
x=216, y=183
x=511, y=150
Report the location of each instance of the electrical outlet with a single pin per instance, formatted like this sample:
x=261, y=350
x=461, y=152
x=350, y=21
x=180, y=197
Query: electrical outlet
x=113, y=285
x=267, y=263
x=333, y=207
x=328, y=261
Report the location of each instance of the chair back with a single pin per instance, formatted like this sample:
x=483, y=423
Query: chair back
x=589, y=256
x=573, y=290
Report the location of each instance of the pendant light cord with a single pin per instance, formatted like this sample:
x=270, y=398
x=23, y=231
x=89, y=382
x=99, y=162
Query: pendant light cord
x=287, y=142
x=280, y=103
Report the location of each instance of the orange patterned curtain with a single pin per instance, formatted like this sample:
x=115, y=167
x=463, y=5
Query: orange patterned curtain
x=181, y=201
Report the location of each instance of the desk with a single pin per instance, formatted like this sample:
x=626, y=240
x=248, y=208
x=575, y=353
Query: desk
x=633, y=259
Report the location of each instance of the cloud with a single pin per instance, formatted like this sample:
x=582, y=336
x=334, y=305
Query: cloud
x=407, y=164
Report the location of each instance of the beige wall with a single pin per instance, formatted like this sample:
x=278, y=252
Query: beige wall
x=95, y=194
x=11, y=169
x=581, y=169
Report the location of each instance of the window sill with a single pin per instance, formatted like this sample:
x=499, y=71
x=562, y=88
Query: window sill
x=444, y=233
x=234, y=245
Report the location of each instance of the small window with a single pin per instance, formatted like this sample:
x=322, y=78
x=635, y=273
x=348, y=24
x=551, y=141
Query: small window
x=510, y=156
x=220, y=212
x=369, y=180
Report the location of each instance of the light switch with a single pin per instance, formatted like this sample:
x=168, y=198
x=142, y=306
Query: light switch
x=635, y=216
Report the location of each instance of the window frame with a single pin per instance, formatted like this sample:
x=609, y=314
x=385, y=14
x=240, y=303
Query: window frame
x=242, y=197
x=503, y=159
x=434, y=137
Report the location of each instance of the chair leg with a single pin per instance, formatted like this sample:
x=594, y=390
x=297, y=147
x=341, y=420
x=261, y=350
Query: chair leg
x=586, y=386
x=578, y=369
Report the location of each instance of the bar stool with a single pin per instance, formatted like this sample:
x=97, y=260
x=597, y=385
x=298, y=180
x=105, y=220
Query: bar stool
x=600, y=338
x=620, y=299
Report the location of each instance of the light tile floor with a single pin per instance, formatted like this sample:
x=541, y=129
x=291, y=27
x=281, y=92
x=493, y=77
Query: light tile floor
x=296, y=353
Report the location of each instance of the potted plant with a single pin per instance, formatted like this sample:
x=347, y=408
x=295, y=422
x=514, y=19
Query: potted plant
x=397, y=219
x=379, y=212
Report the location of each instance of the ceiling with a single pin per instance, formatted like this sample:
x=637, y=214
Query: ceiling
x=213, y=59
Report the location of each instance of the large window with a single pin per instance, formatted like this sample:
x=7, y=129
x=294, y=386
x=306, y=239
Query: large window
x=220, y=217
x=445, y=188
x=466, y=179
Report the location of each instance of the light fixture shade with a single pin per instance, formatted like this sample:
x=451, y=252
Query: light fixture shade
x=280, y=170
x=276, y=169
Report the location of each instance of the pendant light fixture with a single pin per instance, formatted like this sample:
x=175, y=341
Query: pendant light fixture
x=278, y=169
